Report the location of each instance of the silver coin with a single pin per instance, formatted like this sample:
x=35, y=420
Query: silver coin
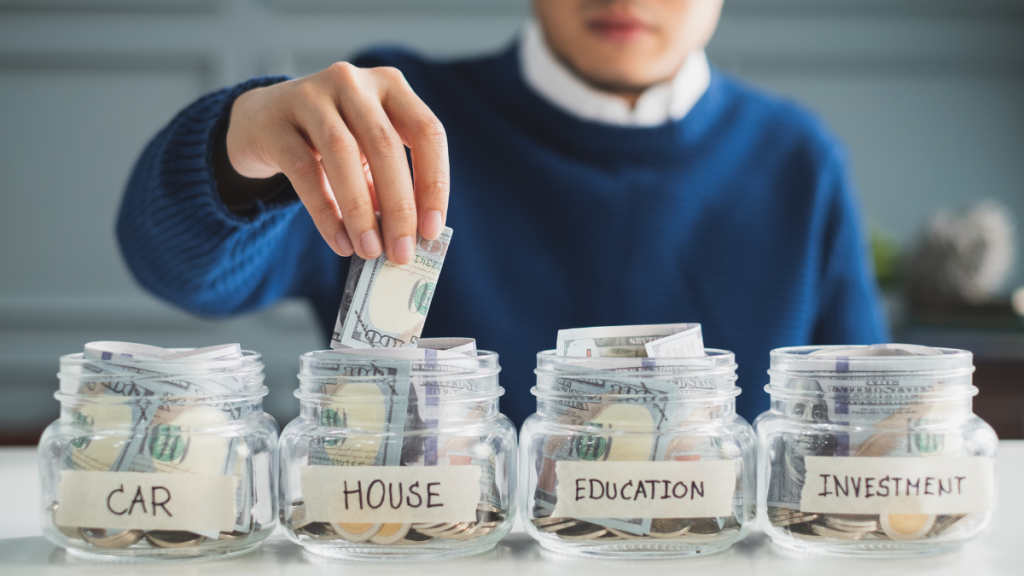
x=548, y=520
x=174, y=538
x=581, y=531
x=669, y=527
x=827, y=532
x=794, y=520
x=391, y=533
x=943, y=523
x=100, y=538
x=356, y=531
x=568, y=523
x=854, y=523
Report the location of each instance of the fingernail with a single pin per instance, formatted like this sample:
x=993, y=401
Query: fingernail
x=431, y=225
x=370, y=241
x=404, y=248
x=344, y=244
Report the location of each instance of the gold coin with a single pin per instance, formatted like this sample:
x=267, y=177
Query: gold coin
x=907, y=526
x=622, y=534
x=356, y=531
x=99, y=537
x=390, y=533
x=794, y=520
x=174, y=538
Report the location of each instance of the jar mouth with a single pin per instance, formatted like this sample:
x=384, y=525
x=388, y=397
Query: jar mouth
x=184, y=377
x=715, y=363
x=894, y=358
x=247, y=396
x=458, y=375
x=696, y=397
x=899, y=398
x=464, y=397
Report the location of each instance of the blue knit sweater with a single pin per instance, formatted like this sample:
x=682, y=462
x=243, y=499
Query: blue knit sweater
x=740, y=216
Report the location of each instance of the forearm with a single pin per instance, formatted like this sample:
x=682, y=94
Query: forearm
x=182, y=241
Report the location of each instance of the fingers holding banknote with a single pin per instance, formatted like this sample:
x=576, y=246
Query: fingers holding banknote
x=340, y=137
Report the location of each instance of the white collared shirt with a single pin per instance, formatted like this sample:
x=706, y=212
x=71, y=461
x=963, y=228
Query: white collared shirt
x=660, y=103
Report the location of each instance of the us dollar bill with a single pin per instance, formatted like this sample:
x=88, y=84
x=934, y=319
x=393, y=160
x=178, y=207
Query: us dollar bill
x=384, y=305
x=592, y=380
x=640, y=341
x=886, y=408
x=158, y=421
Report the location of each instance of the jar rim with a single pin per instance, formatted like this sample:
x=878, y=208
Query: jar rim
x=714, y=360
x=830, y=361
x=249, y=359
x=438, y=370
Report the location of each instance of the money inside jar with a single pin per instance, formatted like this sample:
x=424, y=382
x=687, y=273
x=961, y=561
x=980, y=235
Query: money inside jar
x=615, y=404
x=870, y=443
x=149, y=450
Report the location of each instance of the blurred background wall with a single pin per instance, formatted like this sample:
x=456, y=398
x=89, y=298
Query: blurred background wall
x=927, y=94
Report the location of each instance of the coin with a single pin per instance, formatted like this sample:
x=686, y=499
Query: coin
x=622, y=534
x=567, y=523
x=827, y=532
x=907, y=526
x=794, y=520
x=356, y=531
x=99, y=537
x=390, y=533
x=581, y=531
x=804, y=531
x=706, y=526
x=174, y=538
x=943, y=523
x=415, y=537
x=317, y=531
x=669, y=527
x=548, y=520
x=852, y=522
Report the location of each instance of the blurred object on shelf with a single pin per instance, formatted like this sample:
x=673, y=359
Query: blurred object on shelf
x=888, y=258
x=1017, y=301
x=962, y=258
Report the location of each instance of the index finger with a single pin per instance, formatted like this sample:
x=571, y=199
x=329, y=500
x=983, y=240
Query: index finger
x=423, y=133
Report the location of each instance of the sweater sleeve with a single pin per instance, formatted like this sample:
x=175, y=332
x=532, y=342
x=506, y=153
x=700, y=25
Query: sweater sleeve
x=850, y=310
x=183, y=244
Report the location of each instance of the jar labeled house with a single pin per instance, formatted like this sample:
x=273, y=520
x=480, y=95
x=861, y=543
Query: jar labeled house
x=159, y=453
x=873, y=450
x=398, y=454
x=637, y=457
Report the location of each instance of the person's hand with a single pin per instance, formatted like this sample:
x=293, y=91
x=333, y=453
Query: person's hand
x=338, y=136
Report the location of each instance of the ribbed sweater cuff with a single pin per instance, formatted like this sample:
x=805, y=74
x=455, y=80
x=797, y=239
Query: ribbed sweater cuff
x=191, y=145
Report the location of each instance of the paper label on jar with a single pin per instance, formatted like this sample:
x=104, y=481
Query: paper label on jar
x=933, y=485
x=147, y=501
x=645, y=489
x=391, y=493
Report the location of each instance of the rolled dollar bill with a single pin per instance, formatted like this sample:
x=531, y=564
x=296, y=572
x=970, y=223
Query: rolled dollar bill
x=384, y=305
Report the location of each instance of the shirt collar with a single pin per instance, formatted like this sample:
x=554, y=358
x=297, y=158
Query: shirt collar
x=660, y=103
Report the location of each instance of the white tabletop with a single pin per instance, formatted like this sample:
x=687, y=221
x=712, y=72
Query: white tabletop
x=1001, y=551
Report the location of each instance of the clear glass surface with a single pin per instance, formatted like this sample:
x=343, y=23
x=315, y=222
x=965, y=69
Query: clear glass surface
x=118, y=423
x=447, y=415
x=635, y=410
x=831, y=402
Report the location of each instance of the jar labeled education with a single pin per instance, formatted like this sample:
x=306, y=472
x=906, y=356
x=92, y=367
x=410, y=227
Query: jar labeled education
x=637, y=457
x=398, y=454
x=873, y=450
x=159, y=453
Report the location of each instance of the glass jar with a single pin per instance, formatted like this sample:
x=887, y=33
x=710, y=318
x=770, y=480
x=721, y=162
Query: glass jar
x=154, y=460
x=398, y=454
x=873, y=450
x=637, y=457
